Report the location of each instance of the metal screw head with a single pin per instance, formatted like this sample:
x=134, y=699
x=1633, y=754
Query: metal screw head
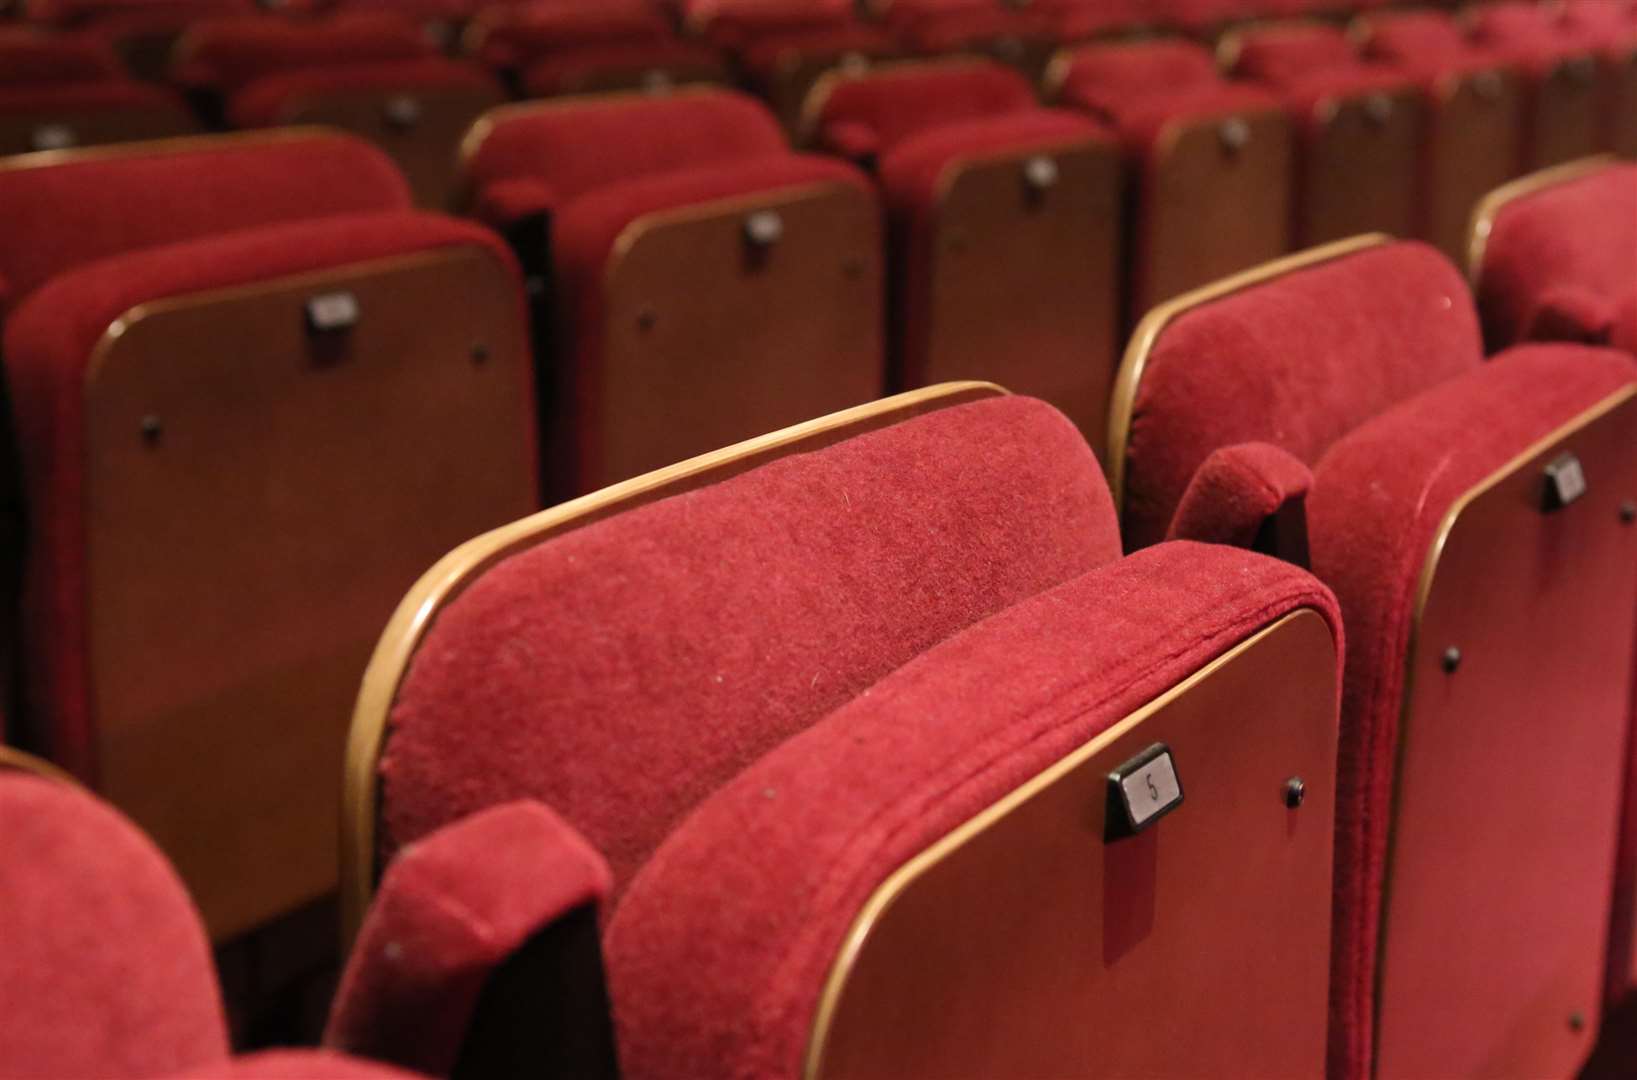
x=401, y=112
x=763, y=229
x=656, y=81
x=151, y=429
x=1295, y=792
x=1452, y=659
x=1487, y=85
x=1233, y=133
x=480, y=353
x=646, y=318
x=1378, y=109
x=1581, y=70
x=1628, y=512
x=1009, y=49
x=1577, y=1021
x=854, y=63
x=1040, y=173
x=852, y=267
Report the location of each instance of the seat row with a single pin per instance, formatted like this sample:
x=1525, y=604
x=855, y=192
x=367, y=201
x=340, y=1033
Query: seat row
x=897, y=742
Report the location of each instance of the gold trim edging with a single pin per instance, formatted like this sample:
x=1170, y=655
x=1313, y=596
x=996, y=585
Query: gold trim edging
x=18, y=761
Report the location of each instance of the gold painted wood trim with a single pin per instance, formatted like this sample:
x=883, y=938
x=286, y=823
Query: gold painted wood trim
x=177, y=144
x=888, y=892
x=451, y=575
x=1423, y=595
x=18, y=761
x=1129, y=380
x=1490, y=206
x=812, y=106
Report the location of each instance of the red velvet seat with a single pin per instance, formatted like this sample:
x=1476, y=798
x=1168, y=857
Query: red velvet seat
x=1016, y=36
x=1555, y=257
x=1477, y=104
x=375, y=74
x=207, y=345
x=549, y=47
x=66, y=90
x=1360, y=129
x=767, y=683
x=1195, y=144
x=107, y=969
x=1005, y=226
x=678, y=239
x=1338, y=405
x=1564, y=119
x=143, y=32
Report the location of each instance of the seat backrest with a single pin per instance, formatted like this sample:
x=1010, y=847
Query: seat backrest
x=894, y=102
x=106, y=970
x=29, y=59
x=1289, y=52
x=1298, y=366
x=62, y=209
x=718, y=623
x=1137, y=70
x=1554, y=255
x=79, y=12
x=1415, y=36
x=508, y=35
x=565, y=149
x=225, y=54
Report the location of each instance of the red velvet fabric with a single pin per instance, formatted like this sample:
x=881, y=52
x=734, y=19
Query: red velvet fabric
x=871, y=115
x=567, y=150
x=944, y=27
x=632, y=667
x=47, y=343
x=109, y=94
x=721, y=947
x=61, y=216
x=1075, y=20
x=1378, y=497
x=450, y=910
x=267, y=101
x=226, y=54
x=765, y=54
x=30, y=59
x=1561, y=264
x=1311, y=64
x=1235, y=491
x=1110, y=76
x=295, y=1065
x=74, y=12
x=106, y=971
x=513, y=35
x=571, y=70
x=1527, y=31
x=1297, y=363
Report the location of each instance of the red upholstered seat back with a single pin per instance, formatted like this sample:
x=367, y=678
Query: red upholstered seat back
x=1297, y=362
x=1560, y=264
x=624, y=671
x=1287, y=54
x=568, y=149
x=1415, y=36
x=28, y=58
x=1137, y=71
x=106, y=971
x=515, y=34
x=54, y=217
x=66, y=12
x=226, y=54
x=894, y=104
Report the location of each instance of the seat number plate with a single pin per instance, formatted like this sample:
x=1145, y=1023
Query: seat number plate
x=1142, y=791
x=1565, y=482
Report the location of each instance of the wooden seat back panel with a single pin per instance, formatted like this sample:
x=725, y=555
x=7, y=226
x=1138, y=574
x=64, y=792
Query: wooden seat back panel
x=1475, y=139
x=257, y=502
x=1024, y=945
x=1501, y=861
x=1023, y=289
x=92, y=127
x=1360, y=175
x=1563, y=122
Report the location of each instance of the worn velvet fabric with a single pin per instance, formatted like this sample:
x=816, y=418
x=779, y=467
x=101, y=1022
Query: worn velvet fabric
x=28, y=58
x=1378, y=497
x=1235, y=491
x=449, y=911
x=1396, y=320
x=59, y=216
x=49, y=341
x=268, y=101
x=720, y=948
x=106, y=971
x=224, y=55
x=634, y=666
x=514, y=35
x=107, y=95
x=1561, y=264
x=871, y=115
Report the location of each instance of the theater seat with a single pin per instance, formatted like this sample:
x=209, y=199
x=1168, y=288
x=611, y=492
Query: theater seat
x=1565, y=88
x=376, y=75
x=1005, y=226
x=107, y=970
x=1335, y=408
x=1475, y=118
x=1610, y=26
x=142, y=32
x=839, y=706
x=1359, y=129
x=58, y=91
x=252, y=394
x=1013, y=35
x=1554, y=257
x=548, y=47
x=1196, y=146
x=695, y=281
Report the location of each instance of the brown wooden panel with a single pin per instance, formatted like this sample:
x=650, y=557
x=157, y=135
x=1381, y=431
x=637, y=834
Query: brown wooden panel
x=1213, y=210
x=1474, y=140
x=615, y=78
x=243, y=558
x=91, y=127
x=1023, y=946
x=1507, y=802
x=1023, y=287
x=707, y=342
x=427, y=149
x=789, y=84
x=1620, y=103
x=1360, y=172
x=1565, y=121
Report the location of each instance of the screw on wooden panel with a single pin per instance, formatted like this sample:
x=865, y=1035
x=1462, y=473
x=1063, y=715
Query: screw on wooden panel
x=1577, y=1021
x=1628, y=512
x=1378, y=109
x=1325, y=111
x=1234, y=133
x=956, y=243
x=480, y=353
x=852, y=267
x=1452, y=659
x=763, y=229
x=1295, y=792
x=401, y=112
x=854, y=63
x=151, y=429
x=1487, y=85
x=646, y=318
x=657, y=81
